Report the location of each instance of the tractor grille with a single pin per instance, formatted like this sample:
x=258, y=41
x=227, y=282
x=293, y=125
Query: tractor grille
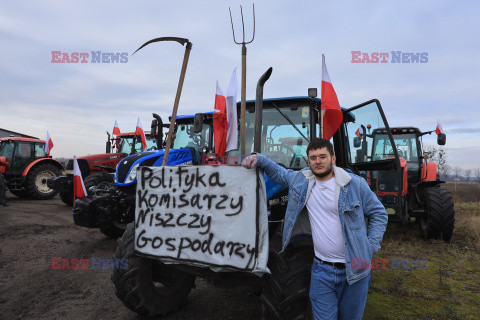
x=125, y=165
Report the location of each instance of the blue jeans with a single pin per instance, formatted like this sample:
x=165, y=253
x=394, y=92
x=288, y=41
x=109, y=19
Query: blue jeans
x=332, y=297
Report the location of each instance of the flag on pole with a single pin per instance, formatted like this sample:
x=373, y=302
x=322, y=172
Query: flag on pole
x=48, y=144
x=220, y=124
x=79, y=190
x=331, y=112
x=359, y=132
x=439, y=128
x=116, y=129
x=139, y=131
x=232, y=133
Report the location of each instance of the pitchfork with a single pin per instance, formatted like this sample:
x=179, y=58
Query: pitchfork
x=244, y=76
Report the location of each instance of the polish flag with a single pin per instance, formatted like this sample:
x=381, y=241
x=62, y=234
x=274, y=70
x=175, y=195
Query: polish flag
x=439, y=128
x=48, y=144
x=359, y=132
x=116, y=129
x=79, y=190
x=220, y=124
x=331, y=112
x=232, y=134
x=139, y=131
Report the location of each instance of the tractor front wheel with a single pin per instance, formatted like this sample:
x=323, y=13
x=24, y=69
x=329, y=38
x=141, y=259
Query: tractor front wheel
x=286, y=289
x=3, y=190
x=148, y=286
x=104, y=180
x=66, y=196
x=36, y=184
x=438, y=220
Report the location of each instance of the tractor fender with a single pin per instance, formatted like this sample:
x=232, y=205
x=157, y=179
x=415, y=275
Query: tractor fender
x=41, y=160
x=421, y=185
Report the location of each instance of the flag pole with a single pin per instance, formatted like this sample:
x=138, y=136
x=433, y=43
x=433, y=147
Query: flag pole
x=321, y=98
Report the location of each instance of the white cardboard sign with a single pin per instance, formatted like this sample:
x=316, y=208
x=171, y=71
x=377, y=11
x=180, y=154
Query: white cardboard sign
x=211, y=216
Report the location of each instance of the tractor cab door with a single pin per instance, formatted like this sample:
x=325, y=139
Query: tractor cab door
x=383, y=173
x=22, y=157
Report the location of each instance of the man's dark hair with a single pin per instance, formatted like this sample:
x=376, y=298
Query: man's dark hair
x=319, y=143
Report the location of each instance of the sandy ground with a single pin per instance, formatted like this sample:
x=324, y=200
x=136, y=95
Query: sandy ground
x=32, y=232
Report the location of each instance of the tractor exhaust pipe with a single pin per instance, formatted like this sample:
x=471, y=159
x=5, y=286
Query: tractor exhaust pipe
x=258, y=110
x=157, y=130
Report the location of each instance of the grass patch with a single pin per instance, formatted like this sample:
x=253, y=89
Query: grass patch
x=449, y=286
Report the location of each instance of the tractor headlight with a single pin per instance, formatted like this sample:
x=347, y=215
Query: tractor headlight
x=133, y=174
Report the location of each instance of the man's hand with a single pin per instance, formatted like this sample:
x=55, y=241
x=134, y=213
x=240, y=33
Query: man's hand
x=250, y=161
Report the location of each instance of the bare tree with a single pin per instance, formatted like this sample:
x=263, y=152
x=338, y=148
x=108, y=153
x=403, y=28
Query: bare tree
x=476, y=173
x=457, y=172
x=445, y=171
x=467, y=172
x=437, y=155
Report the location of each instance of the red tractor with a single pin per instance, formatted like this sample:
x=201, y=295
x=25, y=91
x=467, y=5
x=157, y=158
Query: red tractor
x=94, y=167
x=415, y=190
x=26, y=167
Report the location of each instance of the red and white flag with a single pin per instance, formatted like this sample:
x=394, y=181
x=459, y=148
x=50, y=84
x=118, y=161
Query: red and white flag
x=331, y=112
x=220, y=124
x=232, y=133
x=139, y=131
x=439, y=129
x=79, y=190
x=116, y=129
x=48, y=144
x=359, y=132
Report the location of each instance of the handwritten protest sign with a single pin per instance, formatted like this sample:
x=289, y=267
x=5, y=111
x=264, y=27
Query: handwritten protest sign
x=213, y=216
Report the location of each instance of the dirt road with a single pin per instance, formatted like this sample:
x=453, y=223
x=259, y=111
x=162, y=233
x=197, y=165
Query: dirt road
x=32, y=232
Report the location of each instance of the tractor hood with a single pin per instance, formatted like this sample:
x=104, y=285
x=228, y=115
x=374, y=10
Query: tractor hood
x=126, y=174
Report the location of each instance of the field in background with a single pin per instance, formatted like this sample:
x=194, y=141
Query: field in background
x=449, y=286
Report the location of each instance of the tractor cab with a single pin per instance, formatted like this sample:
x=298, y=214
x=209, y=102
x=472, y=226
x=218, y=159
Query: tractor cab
x=16, y=153
x=26, y=167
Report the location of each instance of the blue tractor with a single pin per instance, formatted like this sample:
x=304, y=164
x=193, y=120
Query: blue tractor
x=281, y=129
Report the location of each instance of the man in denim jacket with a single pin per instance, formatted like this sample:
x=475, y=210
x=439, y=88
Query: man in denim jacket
x=331, y=205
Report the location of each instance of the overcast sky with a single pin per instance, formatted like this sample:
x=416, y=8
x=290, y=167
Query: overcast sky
x=78, y=102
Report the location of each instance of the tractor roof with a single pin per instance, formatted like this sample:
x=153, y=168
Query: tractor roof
x=22, y=139
x=298, y=99
x=130, y=134
x=398, y=130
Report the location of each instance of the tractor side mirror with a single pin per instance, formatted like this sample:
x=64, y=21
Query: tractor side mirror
x=441, y=139
x=198, y=123
x=357, y=142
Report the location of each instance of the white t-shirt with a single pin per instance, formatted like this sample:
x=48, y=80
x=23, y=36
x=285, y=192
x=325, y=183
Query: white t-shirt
x=327, y=233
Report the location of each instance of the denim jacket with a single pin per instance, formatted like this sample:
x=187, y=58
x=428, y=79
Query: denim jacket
x=355, y=203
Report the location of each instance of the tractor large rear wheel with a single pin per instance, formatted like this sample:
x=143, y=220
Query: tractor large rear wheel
x=439, y=218
x=36, y=184
x=19, y=193
x=285, y=294
x=148, y=286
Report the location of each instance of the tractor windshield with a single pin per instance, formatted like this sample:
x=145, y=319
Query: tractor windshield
x=6, y=150
x=125, y=144
x=284, y=134
x=185, y=137
x=406, y=146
